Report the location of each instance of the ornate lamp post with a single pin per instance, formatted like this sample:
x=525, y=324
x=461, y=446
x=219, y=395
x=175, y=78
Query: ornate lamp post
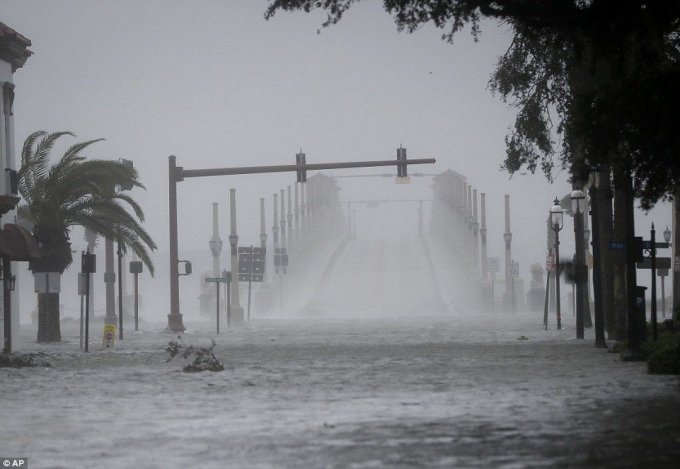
x=578, y=199
x=663, y=273
x=507, y=237
x=215, y=243
x=236, y=309
x=556, y=223
x=263, y=231
x=482, y=234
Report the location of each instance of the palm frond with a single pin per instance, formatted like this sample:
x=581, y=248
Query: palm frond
x=77, y=191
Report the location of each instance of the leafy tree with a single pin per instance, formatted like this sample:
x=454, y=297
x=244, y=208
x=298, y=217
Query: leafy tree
x=74, y=191
x=606, y=72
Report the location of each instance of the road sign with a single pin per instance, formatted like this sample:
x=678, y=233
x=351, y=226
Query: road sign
x=109, y=334
x=617, y=245
x=647, y=244
x=493, y=264
x=219, y=279
x=403, y=180
x=251, y=263
x=280, y=257
x=661, y=263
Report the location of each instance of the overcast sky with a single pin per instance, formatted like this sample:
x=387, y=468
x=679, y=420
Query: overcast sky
x=215, y=84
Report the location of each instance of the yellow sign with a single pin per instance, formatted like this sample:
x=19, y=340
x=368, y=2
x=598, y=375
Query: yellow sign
x=109, y=334
x=404, y=180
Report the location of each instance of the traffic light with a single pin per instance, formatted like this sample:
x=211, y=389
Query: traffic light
x=301, y=173
x=88, y=263
x=187, y=268
x=401, y=167
x=136, y=267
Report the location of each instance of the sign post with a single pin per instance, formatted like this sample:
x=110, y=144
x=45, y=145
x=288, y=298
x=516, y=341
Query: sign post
x=88, y=266
x=251, y=266
x=514, y=272
x=136, y=268
x=493, y=266
x=225, y=278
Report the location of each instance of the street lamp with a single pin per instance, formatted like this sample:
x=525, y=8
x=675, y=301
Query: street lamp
x=556, y=223
x=667, y=235
x=578, y=202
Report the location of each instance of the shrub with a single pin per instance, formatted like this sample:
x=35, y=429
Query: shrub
x=664, y=356
x=203, y=357
x=9, y=360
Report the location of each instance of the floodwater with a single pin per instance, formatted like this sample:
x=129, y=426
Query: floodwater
x=378, y=387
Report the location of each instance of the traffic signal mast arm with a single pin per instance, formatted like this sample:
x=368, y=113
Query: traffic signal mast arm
x=181, y=173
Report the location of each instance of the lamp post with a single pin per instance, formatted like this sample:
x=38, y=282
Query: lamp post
x=291, y=227
x=556, y=223
x=215, y=243
x=663, y=273
x=284, y=241
x=507, y=237
x=236, y=309
x=263, y=230
x=577, y=207
x=482, y=234
x=600, y=341
x=475, y=231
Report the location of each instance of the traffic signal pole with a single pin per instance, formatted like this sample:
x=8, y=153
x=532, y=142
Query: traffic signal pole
x=178, y=174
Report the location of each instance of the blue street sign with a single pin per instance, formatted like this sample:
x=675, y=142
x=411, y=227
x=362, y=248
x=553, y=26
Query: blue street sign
x=617, y=245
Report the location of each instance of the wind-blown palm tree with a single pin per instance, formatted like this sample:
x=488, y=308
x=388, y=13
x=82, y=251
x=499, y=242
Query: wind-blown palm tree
x=74, y=191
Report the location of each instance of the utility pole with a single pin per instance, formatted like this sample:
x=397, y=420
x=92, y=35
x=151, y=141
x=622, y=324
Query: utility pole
x=291, y=230
x=109, y=280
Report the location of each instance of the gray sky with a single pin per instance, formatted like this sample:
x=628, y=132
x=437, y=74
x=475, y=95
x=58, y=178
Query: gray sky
x=215, y=84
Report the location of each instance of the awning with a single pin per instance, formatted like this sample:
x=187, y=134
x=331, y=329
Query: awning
x=17, y=244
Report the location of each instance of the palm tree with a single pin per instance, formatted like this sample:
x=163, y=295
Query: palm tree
x=74, y=191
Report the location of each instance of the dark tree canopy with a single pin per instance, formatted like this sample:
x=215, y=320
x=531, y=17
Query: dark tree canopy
x=598, y=76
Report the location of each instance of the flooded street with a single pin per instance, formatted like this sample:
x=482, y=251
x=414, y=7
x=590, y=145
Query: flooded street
x=431, y=391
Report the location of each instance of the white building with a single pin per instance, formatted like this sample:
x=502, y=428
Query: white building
x=13, y=54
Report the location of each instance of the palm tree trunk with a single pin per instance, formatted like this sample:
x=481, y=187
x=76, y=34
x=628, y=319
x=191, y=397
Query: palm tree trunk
x=49, y=329
x=618, y=256
x=604, y=200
